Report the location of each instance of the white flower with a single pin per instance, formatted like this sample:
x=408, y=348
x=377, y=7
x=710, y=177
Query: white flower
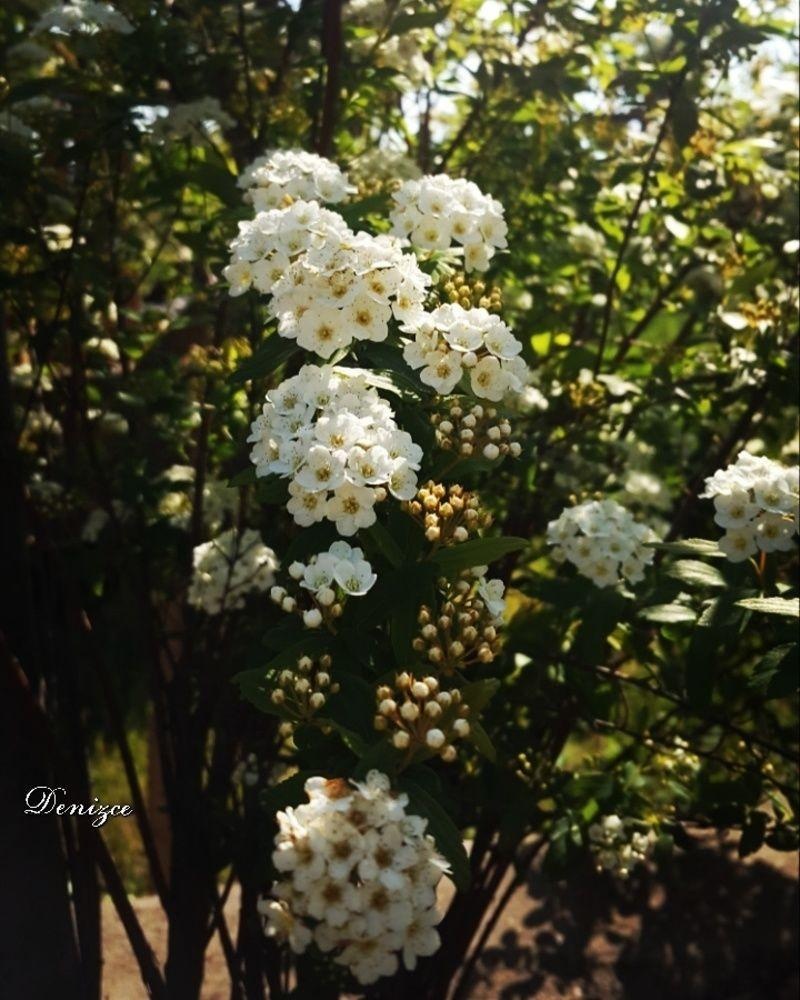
x=488, y=380
x=756, y=501
x=269, y=179
x=439, y=211
x=441, y=371
x=738, y=544
x=330, y=433
x=228, y=568
x=351, y=507
x=617, y=846
x=279, y=922
x=451, y=338
x=355, y=578
x=363, y=871
x=602, y=540
x=306, y=508
x=492, y=594
x=84, y=17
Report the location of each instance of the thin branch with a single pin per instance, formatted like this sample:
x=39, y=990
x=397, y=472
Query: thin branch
x=633, y=217
x=332, y=50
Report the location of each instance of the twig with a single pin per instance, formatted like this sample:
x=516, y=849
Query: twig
x=633, y=217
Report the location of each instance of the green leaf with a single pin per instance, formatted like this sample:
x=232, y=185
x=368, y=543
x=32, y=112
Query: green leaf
x=246, y=477
x=216, y=179
x=698, y=573
x=385, y=544
x=478, y=694
x=668, y=614
x=481, y=740
x=265, y=360
x=288, y=792
x=415, y=587
x=478, y=552
x=692, y=547
x=442, y=829
x=777, y=671
x=786, y=606
x=272, y=490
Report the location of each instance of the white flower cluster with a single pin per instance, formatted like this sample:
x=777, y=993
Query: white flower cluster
x=267, y=244
x=617, y=847
x=329, y=579
x=84, y=16
x=182, y=120
x=341, y=565
x=302, y=176
x=451, y=340
x=228, y=568
x=329, y=285
x=348, y=289
x=437, y=211
x=331, y=434
x=756, y=502
x=602, y=540
x=360, y=878
x=219, y=500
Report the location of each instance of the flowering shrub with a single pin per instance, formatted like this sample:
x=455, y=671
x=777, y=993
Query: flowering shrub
x=357, y=425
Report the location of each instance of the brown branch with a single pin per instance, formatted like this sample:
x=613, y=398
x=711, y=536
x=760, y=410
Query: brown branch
x=121, y=738
x=332, y=50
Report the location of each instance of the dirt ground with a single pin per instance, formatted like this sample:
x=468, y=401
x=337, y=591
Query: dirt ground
x=706, y=927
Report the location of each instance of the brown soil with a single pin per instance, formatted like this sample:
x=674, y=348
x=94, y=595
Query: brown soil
x=706, y=927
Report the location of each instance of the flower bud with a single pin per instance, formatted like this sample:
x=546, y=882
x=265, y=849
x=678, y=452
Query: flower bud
x=288, y=604
x=296, y=570
x=461, y=727
x=435, y=738
x=419, y=689
x=312, y=618
x=410, y=711
x=491, y=451
x=448, y=754
x=460, y=534
x=317, y=700
x=323, y=679
x=401, y=740
x=277, y=594
x=387, y=707
x=433, y=710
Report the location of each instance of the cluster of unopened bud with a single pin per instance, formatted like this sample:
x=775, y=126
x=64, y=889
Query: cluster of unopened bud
x=475, y=430
x=459, y=290
x=420, y=715
x=449, y=514
x=463, y=633
x=324, y=608
x=304, y=690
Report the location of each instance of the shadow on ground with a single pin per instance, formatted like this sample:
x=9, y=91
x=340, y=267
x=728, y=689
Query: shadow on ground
x=707, y=927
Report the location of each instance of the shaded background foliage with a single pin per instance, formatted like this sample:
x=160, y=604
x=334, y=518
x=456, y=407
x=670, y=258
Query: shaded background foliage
x=646, y=157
